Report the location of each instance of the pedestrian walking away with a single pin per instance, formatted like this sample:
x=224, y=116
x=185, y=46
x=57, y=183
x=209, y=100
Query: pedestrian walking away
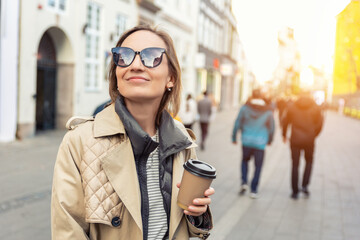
x=204, y=109
x=255, y=121
x=117, y=175
x=280, y=105
x=188, y=112
x=305, y=119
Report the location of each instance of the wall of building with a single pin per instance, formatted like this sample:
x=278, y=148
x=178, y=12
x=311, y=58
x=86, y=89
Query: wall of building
x=177, y=18
x=347, y=51
x=68, y=31
x=8, y=68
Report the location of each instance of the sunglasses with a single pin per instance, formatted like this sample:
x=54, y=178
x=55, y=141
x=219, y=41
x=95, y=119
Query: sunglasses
x=150, y=57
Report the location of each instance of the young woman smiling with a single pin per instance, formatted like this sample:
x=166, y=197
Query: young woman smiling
x=117, y=176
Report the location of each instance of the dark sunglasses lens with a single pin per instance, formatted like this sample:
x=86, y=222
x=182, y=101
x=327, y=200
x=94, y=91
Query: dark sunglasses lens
x=151, y=57
x=123, y=57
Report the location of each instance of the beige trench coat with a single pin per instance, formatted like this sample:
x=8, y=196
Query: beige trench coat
x=95, y=183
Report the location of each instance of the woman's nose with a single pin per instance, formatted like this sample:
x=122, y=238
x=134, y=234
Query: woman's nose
x=137, y=63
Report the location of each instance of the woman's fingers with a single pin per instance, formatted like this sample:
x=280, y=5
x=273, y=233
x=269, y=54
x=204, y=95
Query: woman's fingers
x=210, y=191
x=196, y=210
x=202, y=201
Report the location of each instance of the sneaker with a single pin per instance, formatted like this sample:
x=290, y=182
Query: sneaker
x=243, y=189
x=254, y=195
x=294, y=196
x=306, y=192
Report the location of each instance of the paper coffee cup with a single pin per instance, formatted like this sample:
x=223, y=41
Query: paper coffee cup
x=197, y=177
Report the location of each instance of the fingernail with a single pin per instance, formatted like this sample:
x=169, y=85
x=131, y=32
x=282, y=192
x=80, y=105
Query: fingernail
x=196, y=201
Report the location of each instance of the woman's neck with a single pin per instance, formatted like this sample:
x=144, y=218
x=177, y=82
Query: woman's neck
x=144, y=114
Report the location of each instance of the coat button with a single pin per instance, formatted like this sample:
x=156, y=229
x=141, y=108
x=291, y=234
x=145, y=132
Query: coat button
x=115, y=222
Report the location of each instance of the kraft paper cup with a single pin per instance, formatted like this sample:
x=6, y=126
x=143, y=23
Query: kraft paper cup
x=197, y=177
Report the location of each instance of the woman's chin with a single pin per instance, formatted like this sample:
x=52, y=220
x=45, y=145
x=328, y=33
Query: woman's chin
x=142, y=97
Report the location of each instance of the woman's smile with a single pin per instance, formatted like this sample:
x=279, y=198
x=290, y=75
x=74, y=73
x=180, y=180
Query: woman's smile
x=137, y=79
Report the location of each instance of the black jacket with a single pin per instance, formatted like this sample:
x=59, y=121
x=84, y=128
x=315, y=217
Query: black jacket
x=305, y=118
x=172, y=141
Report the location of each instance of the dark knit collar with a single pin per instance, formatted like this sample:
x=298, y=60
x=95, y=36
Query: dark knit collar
x=171, y=139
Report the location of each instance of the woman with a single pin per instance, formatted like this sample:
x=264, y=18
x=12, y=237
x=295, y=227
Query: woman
x=117, y=176
x=188, y=113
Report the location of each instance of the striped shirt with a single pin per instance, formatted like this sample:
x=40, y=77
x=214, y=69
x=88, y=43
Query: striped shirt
x=157, y=215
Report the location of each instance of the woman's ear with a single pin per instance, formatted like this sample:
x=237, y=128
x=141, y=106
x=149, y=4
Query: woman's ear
x=170, y=83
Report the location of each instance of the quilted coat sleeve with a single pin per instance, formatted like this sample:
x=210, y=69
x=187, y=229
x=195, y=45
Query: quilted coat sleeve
x=67, y=202
x=203, y=230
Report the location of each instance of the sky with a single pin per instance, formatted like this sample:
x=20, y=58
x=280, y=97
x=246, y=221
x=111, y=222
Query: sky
x=313, y=21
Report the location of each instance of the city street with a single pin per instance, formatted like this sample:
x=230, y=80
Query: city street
x=331, y=213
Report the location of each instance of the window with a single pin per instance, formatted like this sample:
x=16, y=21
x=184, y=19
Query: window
x=212, y=35
x=206, y=33
x=201, y=29
x=62, y=5
x=219, y=39
x=216, y=38
x=51, y=3
x=92, y=57
x=57, y=5
x=120, y=25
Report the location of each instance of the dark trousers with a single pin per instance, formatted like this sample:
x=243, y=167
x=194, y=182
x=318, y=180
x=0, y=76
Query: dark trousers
x=259, y=158
x=204, y=132
x=295, y=156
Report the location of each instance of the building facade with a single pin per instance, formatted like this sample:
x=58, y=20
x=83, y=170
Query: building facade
x=346, y=75
x=210, y=32
x=57, y=56
x=347, y=51
x=64, y=50
x=218, y=52
x=230, y=57
x=9, y=37
x=177, y=18
x=287, y=72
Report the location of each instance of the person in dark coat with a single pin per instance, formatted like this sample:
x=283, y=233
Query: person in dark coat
x=281, y=105
x=305, y=119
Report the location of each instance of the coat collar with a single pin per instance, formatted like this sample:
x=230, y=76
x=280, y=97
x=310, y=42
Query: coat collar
x=172, y=139
x=107, y=123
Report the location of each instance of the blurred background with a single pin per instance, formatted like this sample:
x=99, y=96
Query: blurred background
x=54, y=57
x=55, y=53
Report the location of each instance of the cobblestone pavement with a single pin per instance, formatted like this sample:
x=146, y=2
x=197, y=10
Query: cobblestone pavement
x=331, y=213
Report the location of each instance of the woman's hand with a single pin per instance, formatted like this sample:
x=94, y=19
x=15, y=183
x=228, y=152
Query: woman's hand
x=199, y=205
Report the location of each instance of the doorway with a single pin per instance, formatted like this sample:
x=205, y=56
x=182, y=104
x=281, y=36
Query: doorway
x=46, y=84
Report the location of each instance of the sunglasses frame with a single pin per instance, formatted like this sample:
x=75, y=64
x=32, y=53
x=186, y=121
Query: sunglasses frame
x=115, y=50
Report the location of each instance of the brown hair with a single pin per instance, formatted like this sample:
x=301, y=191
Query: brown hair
x=171, y=99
